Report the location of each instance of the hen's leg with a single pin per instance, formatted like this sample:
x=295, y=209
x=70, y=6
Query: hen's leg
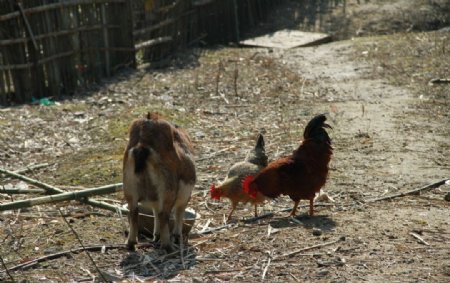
x=233, y=207
x=311, y=207
x=256, y=210
x=294, y=210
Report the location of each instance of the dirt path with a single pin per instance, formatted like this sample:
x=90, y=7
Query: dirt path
x=381, y=154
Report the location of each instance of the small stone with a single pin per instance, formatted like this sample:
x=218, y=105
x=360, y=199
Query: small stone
x=447, y=196
x=323, y=273
x=316, y=232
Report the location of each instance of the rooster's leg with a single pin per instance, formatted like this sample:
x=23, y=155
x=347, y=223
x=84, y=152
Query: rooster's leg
x=256, y=210
x=294, y=210
x=311, y=207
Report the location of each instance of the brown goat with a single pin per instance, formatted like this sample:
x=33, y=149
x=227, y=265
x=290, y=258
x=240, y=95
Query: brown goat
x=158, y=172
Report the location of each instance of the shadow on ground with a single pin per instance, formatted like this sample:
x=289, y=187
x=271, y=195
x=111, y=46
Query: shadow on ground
x=322, y=222
x=155, y=264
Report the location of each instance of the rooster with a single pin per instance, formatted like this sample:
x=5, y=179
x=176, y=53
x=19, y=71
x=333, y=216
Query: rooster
x=300, y=175
x=231, y=188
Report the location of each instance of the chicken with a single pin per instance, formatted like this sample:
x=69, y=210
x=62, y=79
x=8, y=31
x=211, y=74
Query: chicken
x=158, y=172
x=231, y=187
x=300, y=175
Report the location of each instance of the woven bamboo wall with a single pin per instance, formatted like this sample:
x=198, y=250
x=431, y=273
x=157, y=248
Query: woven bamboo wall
x=51, y=48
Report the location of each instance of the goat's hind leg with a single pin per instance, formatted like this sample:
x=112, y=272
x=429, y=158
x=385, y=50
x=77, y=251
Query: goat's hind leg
x=178, y=225
x=184, y=194
x=166, y=244
x=156, y=226
x=133, y=222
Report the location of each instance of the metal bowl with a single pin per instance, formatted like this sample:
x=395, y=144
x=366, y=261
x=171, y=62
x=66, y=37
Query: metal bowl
x=146, y=220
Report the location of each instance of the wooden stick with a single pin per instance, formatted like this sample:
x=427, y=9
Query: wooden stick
x=412, y=192
x=309, y=248
x=421, y=240
x=266, y=268
x=28, y=27
x=31, y=167
x=62, y=197
x=20, y=191
x=153, y=27
x=153, y=42
x=48, y=188
x=6, y=42
x=104, y=205
x=54, y=6
x=55, y=190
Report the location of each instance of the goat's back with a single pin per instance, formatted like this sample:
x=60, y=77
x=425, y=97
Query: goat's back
x=158, y=153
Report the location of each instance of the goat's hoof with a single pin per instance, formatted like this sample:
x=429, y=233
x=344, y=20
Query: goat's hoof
x=131, y=245
x=156, y=238
x=168, y=248
x=176, y=239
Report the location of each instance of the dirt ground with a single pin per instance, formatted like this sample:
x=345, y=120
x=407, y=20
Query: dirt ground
x=391, y=133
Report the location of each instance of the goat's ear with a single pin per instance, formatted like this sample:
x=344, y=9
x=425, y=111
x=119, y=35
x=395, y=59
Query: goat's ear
x=153, y=115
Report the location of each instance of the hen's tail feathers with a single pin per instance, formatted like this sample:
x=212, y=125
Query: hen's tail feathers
x=140, y=155
x=316, y=129
x=215, y=194
x=260, y=143
x=258, y=154
x=247, y=188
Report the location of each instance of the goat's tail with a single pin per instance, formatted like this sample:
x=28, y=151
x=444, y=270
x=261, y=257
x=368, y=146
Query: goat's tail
x=140, y=155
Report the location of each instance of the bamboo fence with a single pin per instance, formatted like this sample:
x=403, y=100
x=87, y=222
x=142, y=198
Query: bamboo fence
x=52, y=48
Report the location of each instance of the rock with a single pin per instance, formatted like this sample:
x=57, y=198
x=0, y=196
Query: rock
x=316, y=232
x=447, y=196
x=323, y=273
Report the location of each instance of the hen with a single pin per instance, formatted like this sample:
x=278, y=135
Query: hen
x=300, y=175
x=231, y=187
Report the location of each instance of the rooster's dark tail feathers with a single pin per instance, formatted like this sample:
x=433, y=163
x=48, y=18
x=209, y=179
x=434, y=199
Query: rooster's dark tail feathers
x=316, y=129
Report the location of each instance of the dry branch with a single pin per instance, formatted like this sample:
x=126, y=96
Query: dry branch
x=421, y=240
x=62, y=197
x=207, y=231
x=82, y=245
x=309, y=248
x=253, y=219
x=96, y=248
x=6, y=269
x=412, y=192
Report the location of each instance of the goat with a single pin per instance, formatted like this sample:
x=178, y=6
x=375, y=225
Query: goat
x=158, y=172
